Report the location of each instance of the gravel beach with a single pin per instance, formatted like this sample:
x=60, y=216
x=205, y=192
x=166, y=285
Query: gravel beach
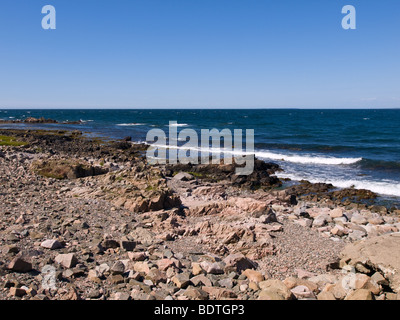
x=83, y=218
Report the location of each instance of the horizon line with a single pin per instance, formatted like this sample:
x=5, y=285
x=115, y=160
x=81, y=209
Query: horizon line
x=203, y=108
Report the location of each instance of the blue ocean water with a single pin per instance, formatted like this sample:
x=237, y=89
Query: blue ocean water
x=359, y=148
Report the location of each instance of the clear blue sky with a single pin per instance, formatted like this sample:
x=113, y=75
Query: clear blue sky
x=199, y=53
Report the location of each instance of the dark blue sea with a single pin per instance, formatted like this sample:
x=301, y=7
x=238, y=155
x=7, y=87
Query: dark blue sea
x=359, y=148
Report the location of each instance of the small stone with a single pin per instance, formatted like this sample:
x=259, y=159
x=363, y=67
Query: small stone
x=376, y=221
x=379, y=279
x=324, y=295
x=121, y=296
x=269, y=295
x=226, y=283
x=40, y=297
x=302, y=292
x=391, y=296
x=201, y=279
x=270, y=217
x=341, y=221
x=303, y=274
x=164, y=264
x=306, y=223
x=360, y=267
x=20, y=219
x=10, y=249
x=183, y=176
x=103, y=269
x=253, y=286
x=68, y=273
x=168, y=253
x=360, y=294
x=253, y=275
x=142, y=267
x=362, y=281
x=358, y=219
x=51, y=244
x=170, y=272
x=156, y=276
x=66, y=260
x=338, y=231
x=17, y=292
x=135, y=275
x=116, y=279
x=31, y=291
x=118, y=268
x=128, y=245
x=94, y=294
x=110, y=244
x=357, y=235
x=18, y=264
x=181, y=280
x=137, y=256
x=212, y=267
x=320, y=221
x=94, y=276
x=274, y=290
x=195, y=294
x=336, y=213
x=196, y=268
x=137, y=295
x=12, y=237
x=337, y=290
x=243, y=287
x=292, y=282
x=177, y=263
x=238, y=262
x=220, y=293
x=148, y=282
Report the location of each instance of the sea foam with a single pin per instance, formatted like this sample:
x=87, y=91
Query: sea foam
x=389, y=188
x=306, y=159
x=130, y=124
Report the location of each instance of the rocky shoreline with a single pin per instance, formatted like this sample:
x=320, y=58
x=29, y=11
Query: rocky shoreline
x=84, y=218
x=42, y=120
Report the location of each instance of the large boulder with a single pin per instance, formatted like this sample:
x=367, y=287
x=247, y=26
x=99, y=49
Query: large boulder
x=376, y=254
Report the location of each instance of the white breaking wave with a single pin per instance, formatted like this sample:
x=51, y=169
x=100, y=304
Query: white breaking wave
x=276, y=156
x=177, y=125
x=389, y=188
x=306, y=159
x=130, y=124
x=381, y=187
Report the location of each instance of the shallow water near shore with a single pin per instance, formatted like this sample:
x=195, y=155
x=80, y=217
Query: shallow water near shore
x=359, y=148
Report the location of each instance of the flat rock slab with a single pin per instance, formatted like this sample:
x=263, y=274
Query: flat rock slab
x=378, y=253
